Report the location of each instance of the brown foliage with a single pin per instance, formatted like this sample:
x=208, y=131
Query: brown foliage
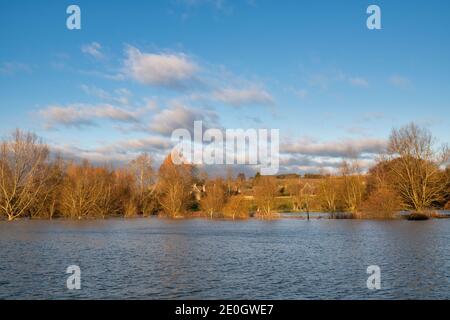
x=236, y=208
x=265, y=192
x=302, y=194
x=35, y=185
x=26, y=179
x=144, y=188
x=415, y=166
x=215, y=197
x=328, y=193
x=353, y=186
x=87, y=192
x=447, y=206
x=382, y=203
x=174, y=187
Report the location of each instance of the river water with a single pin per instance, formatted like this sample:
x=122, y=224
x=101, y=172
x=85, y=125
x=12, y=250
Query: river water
x=200, y=259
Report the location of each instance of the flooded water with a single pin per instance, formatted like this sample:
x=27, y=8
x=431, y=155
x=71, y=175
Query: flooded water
x=201, y=259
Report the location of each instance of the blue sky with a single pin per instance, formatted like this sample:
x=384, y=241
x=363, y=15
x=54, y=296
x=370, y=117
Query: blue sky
x=138, y=69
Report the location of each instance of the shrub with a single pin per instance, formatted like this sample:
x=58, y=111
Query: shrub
x=382, y=203
x=236, y=208
x=417, y=217
x=447, y=206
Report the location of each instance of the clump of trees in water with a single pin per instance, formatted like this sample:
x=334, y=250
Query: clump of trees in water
x=410, y=175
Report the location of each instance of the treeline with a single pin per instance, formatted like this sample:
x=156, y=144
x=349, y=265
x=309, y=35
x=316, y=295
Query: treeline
x=34, y=184
x=413, y=174
x=410, y=175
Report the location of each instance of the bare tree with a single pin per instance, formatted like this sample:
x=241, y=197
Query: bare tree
x=328, y=193
x=265, y=193
x=382, y=203
x=24, y=174
x=236, y=208
x=125, y=192
x=352, y=185
x=141, y=168
x=230, y=183
x=302, y=194
x=87, y=192
x=215, y=197
x=381, y=198
x=47, y=205
x=174, y=186
x=416, y=166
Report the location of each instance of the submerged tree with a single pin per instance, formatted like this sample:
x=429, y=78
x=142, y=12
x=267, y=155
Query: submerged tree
x=236, y=208
x=352, y=185
x=215, y=197
x=25, y=175
x=302, y=194
x=174, y=186
x=47, y=206
x=86, y=191
x=142, y=171
x=381, y=199
x=328, y=193
x=265, y=193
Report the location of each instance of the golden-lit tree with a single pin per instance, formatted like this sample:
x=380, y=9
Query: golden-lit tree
x=47, y=205
x=446, y=177
x=381, y=198
x=382, y=203
x=25, y=176
x=125, y=193
x=353, y=185
x=416, y=166
x=328, y=193
x=87, y=192
x=174, y=187
x=215, y=197
x=141, y=169
x=236, y=208
x=265, y=193
x=302, y=194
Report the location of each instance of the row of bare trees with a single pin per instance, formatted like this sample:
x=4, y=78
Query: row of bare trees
x=343, y=191
x=33, y=184
x=222, y=199
x=410, y=175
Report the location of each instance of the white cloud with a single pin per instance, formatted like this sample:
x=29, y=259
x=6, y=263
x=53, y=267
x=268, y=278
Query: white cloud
x=179, y=116
x=98, y=157
x=117, y=153
x=315, y=163
x=77, y=115
x=240, y=97
x=167, y=70
x=120, y=95
x=343, y=148
x=146, y=144
x=93, y=49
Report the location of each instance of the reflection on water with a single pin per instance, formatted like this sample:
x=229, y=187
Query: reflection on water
x=200, y=259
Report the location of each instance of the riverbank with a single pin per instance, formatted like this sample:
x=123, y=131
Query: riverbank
x=403, y=215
